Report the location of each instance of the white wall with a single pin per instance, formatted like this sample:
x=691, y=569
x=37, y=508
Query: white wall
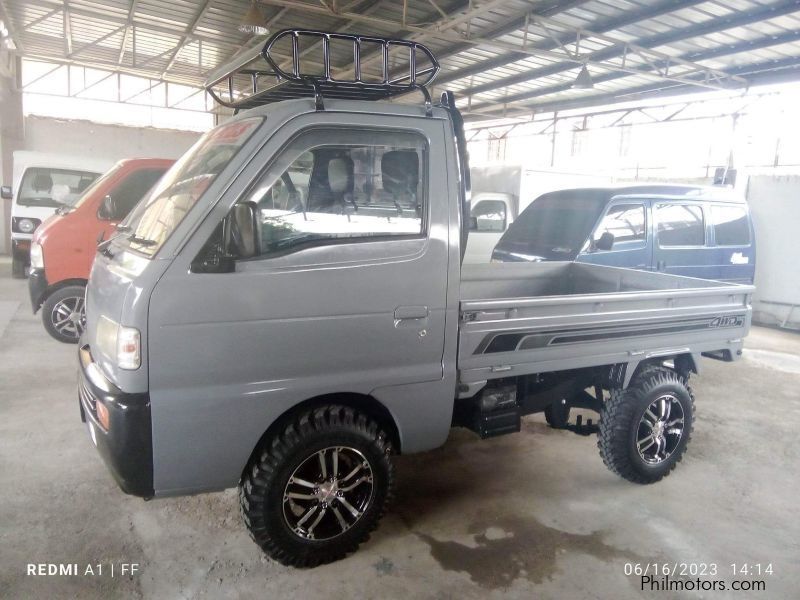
x=84, y=138
x=775, y=206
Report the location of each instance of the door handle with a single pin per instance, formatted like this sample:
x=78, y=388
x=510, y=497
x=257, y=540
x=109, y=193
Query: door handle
x=407, y=313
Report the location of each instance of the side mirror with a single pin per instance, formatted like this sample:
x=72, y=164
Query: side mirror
x=473, y=223
x=606, y=241
x=108, y=209
x=6, y=193
x=244, y=235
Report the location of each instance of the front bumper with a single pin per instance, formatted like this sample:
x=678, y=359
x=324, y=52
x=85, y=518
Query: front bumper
x=37, y=286
x=127, y=446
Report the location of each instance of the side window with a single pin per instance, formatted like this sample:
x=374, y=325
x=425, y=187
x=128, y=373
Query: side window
x=132, y=189
x=626, y=222
x=489, y=215
x=333, y=186
x=680, y=225
x=730, y=225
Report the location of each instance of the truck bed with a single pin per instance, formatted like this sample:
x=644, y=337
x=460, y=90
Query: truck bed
x=523, y=318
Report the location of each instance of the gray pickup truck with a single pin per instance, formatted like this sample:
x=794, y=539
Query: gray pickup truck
x=288, y=308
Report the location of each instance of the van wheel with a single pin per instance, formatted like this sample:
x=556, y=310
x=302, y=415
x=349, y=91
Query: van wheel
x=64, y=314
x=17, y=267
x=318, y=488
x=644, y=430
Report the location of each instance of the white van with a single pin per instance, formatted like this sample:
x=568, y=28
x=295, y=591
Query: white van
x=43, y=183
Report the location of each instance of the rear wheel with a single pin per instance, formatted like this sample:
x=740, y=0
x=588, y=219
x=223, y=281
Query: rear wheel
x=64, y=314
x=644, y=429
x=319, y=487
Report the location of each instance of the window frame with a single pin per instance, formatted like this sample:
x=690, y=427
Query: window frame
x=658, y=202
x=713, y=224
x=631, y=244
x=505, y=216
x=368, y=135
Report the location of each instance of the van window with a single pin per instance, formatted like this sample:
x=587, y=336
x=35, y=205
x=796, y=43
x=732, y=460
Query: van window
x=626, y=222
x=133, y=188
x=43, y=186
x=490, y=215
x=730, y=225
x=680, y=225
x=341, y=187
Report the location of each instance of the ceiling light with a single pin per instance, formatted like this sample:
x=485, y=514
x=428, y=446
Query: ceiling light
x=253, y=21
x=584, y=80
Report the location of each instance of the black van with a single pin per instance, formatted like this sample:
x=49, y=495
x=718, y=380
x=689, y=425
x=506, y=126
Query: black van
x=694, y=231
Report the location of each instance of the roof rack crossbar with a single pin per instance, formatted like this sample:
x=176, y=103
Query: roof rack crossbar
x=294, y=83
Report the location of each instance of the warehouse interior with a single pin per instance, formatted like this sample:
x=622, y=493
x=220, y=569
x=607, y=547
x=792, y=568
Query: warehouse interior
x=560, y=93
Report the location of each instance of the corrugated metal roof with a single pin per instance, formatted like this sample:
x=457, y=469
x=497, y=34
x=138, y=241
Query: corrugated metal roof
x=488, y=58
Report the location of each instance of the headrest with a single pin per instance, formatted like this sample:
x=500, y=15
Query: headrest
x=400, y=171
x=42, y=182
x=340, y=174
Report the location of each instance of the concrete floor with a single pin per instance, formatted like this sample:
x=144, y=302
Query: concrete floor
x=534, y=514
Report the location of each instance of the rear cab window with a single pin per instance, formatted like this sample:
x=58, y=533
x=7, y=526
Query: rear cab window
x=680, y=224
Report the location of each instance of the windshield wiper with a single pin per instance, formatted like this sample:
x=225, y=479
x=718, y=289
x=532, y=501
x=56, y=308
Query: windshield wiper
x=141, y=241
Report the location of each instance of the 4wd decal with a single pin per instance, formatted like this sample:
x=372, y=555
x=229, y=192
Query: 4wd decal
x=727, y=321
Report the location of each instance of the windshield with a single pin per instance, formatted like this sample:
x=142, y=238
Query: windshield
x=52, y=188
x=97, y=183
x=556, y=225
x=153, y=220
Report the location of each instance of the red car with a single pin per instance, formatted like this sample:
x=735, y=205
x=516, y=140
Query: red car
x=63, y=247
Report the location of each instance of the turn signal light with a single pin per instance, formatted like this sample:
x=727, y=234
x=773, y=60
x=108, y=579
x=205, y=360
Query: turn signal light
x=102, y=414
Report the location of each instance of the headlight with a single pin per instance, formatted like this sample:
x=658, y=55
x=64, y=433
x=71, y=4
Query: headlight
x=128, y=348
x=37, y=256
x=26, y=225
x=120, y=342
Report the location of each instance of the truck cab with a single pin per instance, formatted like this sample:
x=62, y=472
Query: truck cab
x=63, y=247
x=288, y=307
x=43, y=183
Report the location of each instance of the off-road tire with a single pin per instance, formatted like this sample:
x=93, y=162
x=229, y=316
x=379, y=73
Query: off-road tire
x=64, y=293
x=557, y=414
x=261, y=490
x=620, y=418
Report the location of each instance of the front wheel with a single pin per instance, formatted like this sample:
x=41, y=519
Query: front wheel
x=318, y=488
x=644, y=430
x=64, y=314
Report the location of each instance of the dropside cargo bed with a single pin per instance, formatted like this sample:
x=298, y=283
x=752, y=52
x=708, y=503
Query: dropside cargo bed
x=523, y=318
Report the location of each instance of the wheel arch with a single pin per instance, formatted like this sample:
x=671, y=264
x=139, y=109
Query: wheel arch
x=52, y=289
x=364, y=403
x=683, y=363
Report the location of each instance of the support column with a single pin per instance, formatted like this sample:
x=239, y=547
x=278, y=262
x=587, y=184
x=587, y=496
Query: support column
x=12, y=132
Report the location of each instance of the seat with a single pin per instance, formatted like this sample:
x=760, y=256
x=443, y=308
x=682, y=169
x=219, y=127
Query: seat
x=42, y=183
x=400, y=175
x=340, y=181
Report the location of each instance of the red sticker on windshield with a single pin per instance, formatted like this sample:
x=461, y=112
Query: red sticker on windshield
x=234, y=133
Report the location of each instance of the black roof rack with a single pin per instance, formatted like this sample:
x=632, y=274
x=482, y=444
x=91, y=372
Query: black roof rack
x=271, y=83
